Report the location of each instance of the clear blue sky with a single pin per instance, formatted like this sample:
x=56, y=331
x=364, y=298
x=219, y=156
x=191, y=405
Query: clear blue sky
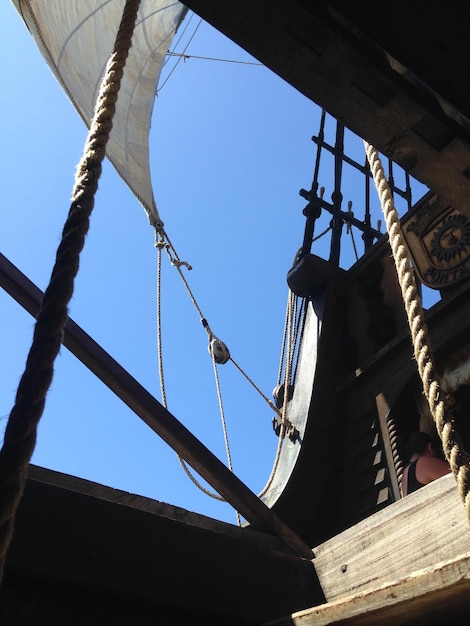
x=230, y=149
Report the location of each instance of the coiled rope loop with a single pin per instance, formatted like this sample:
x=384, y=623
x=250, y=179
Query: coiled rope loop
x=20, y=434
x=458, y=458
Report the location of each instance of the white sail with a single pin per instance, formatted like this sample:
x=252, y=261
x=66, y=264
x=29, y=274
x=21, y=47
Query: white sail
x=76, y=39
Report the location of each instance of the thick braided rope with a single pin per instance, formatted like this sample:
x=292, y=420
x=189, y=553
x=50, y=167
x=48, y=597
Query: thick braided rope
x=454, y=451
x=20, y=434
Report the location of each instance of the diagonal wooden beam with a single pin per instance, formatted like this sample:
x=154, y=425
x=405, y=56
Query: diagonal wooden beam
x=155, y=415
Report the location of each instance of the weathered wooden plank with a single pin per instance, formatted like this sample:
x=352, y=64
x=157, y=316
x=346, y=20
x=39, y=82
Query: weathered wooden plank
x=433, y=596
x=425, y=528
x=92, y=545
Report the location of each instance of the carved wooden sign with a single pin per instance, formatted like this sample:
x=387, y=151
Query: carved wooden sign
x=438, y=237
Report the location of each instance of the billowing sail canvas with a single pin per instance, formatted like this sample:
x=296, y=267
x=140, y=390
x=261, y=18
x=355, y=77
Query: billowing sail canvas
x=76, y=39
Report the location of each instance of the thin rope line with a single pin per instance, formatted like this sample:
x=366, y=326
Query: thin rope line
x=284, y=341
x=285, y=423
x=193, y=479
x=176, y=262
x=164, y=242
x=178, y=61
x=158, y=244
x=222, y=414
x=176, y=43
x=302, y=320
x=321, y=234
x=194, y=56
x=270, y=403
x=185, y=467
x=294, y=331
x=224, y=424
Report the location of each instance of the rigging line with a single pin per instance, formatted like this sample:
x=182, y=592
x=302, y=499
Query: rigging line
x=175, y=261
x=222, y=413
x=321, y=234
x=176, y=43
x=293, y=331
x=189, y=474
x=301, y=323
x=271, y=405
x=298, y=330
x=194, y=56
x=178, y=61
x=193, y=479
x=224, y=424
x=285, y=423
x=185, y=467
x=160, y=244
x=350, y=230
x=284, y=341
x=353, y=241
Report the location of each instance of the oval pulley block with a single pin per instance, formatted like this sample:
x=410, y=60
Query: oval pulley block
x=278, y=395
x=219, y=351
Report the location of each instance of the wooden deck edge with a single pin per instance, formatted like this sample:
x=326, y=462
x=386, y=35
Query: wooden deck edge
x=102, y=546
x=155, y=507
x=440, y=593
x=427, y=527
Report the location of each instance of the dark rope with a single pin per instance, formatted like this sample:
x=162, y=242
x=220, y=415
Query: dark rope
x=20, y=434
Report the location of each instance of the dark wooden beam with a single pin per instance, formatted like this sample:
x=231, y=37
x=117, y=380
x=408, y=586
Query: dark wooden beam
x=155, y=415
x=91, y=550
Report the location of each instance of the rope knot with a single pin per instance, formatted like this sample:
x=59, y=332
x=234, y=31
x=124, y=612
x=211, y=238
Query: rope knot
x=178, y=263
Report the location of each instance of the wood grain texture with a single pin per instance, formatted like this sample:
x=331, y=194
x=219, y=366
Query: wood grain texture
x=425, y=528
x=429, y=597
